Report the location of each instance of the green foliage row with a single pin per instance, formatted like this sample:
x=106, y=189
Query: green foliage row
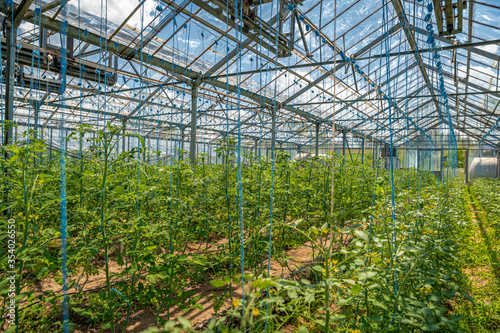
x=123, y=212
x=396, y=275
x=171, y=225
x=487, y=192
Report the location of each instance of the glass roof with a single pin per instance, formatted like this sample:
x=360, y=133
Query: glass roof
x=140, y=63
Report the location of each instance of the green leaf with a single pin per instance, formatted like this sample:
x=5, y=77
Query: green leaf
x=303, y=329
x=184, y=322
x=469, y=297
x=218, y=283
x=426, y=312
x=151, y=278
x=361, y=234
x=292, y=293
x=2, y=283
x=450, y=292
x=379, y=304
x=376, y=260
x=356, y=289
x=366, y=275
x=119, y=259
x=107, y=325
x=198, y=307
x=11, y=329
x=317, y=268
x=431, y=327
x=305, y=281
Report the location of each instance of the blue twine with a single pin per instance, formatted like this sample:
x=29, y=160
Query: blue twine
x=127, y=302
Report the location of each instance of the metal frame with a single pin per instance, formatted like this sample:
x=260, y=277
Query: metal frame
x=167, y=85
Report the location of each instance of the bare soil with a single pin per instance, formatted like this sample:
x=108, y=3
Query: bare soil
x=144, y=318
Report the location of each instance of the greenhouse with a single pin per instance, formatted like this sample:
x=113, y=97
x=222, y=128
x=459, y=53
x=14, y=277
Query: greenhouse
x=250, y=166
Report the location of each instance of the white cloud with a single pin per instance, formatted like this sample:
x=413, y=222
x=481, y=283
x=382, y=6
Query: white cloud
x=192, y=43
x=480, y=75
x=118, y=10
x=486, y=17
x=24, y=27
x=490, y=48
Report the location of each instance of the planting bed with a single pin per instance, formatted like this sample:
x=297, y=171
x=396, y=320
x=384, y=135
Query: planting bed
x=165, y=245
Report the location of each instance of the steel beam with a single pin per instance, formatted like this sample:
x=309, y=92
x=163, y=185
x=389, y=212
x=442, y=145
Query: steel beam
x=20, y=12
x=469, y=46
x=339, y=66
x=217, y=13
x=46, y=7
x=177, y=71
x=410, y=37
x=466, y=82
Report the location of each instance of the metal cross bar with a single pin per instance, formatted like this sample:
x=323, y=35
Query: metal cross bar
x=410, y=37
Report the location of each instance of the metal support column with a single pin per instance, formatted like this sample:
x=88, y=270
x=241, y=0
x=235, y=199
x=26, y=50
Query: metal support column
x=441, y=157
x=216, y=158
x=316, y=145
x=373, y=153
x=50, y=147
x=344, y=139
x=70, y=42
x=363, y=151
x=181, y=138
x=158, y=145
x=65, y=138
x=224, y=143
x=418, y=158
x=36, y=105
x=273, y=129
x=498, y=164
x=466, y=166
x=43, y=40
x=256, y=148
x=144, y=146
x=292, y=32
x=194, y=107
x=124, y=124
x=11, y=35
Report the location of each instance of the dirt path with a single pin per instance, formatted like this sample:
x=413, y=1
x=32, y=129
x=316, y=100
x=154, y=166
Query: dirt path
x=144, y=318
x=295, y=259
